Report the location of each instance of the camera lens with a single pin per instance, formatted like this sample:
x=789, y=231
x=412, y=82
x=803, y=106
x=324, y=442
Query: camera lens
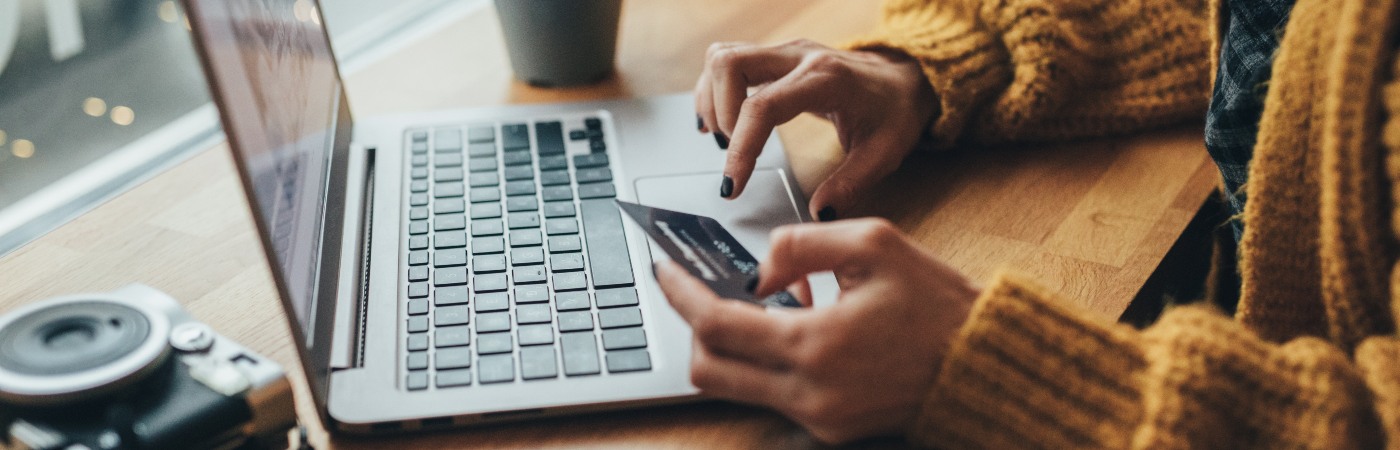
x=57, y=352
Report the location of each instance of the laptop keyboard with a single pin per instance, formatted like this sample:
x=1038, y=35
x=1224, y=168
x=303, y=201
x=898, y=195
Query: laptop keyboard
x=518, y=269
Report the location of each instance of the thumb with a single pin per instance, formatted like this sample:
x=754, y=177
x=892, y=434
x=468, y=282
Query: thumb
x=865, y=164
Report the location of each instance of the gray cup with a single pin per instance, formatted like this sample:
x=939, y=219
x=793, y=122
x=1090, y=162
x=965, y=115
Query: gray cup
x=560, y=42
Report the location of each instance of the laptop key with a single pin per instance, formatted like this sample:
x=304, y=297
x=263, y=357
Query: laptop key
x=452, y=336
x=580, y=354
x=486, y=194
x=537, y=363
x=618, y=318
x=450, y=276
x=526, y=256
x=420, y=136
x=517, y=173
x=590, y=160
x=607, y=246
x=549, y=138
x=517, y=158
x=481, y=133
x=451, y=295
x=562, y=244
x=624, y=338
x=449, y=205
x=515, y=136
x=491, y=282
x=523, y=187
x=628, y=361
x=451, y=315
x=454, y=358
x=557, y=193
x=571, y=281
x=554, y=162
x=487, y=227
x=448, y=160
x=571, y=301
x=527, y=219
x=495, y=369
x=448, y=174
x=450, y=258
x=594, y=175
x=575, y=321
x=417, y=290
x=418, y=227
x=536, y=334
x=521, y=203
x=419, y=273
x=487, y=245
x=530, y=314
x=419, y=173
x=596, y=190
x=488, y=343
x=478, y=150
x=417, y=257
x=481, y=164
x=454, y=378
x=417, y=361
x=417, y=342
x=417, y=324
x=483, y=179
x=418, y=200
x=529, y=275
x=449, y=222
x=525, y=238
x=420, y=147
x=577, y=135
x=489, y=322
x=566, y=262
x=596, y=145
x=593, y=123
x=418, y=213
x=489, y=263
x=486, y=211
x=563, y=225
x=554, y=177
x=609, y=298
x=447, y=139
x=449, y=239
x=536, y=293
x=418, y=306
x=444, y=190
x=418, y=186
x=491, y=302
x=417, y=242
x=419, y=160
x=416, y=381
x=559, y=209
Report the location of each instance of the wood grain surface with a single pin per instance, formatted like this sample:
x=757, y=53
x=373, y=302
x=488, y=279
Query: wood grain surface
x=1089, y=219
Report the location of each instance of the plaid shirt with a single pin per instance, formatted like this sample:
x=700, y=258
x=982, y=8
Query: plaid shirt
x=1250, y=40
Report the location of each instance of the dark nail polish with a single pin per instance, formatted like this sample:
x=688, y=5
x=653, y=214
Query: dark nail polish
x=726, y=187
x=699, y=123
x=753, y=284
x=827, y=214
x=722, y=141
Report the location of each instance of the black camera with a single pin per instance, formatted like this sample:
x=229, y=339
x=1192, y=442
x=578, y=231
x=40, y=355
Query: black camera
x=131, y=369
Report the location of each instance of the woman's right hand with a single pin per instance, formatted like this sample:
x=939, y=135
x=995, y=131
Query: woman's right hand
x=880, y=104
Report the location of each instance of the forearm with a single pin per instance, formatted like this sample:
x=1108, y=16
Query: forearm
x=1025, y=372
x=1049, y=70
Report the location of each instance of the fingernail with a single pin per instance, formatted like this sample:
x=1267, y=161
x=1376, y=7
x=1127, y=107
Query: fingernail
x=726, y=187
x=827, y=214
x=753, y=284
x=699, y=123
x=722, y=141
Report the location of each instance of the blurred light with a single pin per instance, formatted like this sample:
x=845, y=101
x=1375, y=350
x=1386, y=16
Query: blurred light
x=302, y=9
x=315, y=15
x=187, y=24
x=122, y=115
x=22, y=148
x=168, y=12
x=94, y=106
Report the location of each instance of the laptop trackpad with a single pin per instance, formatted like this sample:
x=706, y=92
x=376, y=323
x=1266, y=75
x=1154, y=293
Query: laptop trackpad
x=767, y=202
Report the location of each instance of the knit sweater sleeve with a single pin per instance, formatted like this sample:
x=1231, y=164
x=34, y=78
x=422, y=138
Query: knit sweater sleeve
x=1026, y=372
x=1039, y=70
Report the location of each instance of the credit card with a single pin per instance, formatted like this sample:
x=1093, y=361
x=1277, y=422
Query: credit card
x=706, y=250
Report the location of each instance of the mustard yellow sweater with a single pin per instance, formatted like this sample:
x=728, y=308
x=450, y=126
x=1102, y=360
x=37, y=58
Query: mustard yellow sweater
x=1311, y=359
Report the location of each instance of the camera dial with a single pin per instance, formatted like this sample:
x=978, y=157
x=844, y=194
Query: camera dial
x=74, y=348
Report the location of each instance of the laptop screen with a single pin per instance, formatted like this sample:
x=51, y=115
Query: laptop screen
x=273, y=74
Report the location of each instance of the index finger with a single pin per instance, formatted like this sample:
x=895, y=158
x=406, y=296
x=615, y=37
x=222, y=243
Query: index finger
x=772, y=105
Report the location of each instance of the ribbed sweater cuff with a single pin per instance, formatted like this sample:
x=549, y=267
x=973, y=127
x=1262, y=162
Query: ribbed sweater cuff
x=964, y=63
x=1024, y=371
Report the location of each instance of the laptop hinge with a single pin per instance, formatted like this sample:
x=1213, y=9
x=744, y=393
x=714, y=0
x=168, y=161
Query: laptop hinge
x=348, y=340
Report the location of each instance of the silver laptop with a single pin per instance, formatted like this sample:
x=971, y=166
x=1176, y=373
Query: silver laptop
x=464, y=267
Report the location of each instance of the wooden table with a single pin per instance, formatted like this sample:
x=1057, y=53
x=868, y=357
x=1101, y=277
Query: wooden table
x=1090, y=219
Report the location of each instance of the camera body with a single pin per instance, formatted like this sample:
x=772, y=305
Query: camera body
x=130, y=369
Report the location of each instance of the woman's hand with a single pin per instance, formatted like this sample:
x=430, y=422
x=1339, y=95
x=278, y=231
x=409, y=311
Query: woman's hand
x=880, y=104
x=859, y=368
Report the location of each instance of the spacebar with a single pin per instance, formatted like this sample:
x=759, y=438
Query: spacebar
x=608, y=259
